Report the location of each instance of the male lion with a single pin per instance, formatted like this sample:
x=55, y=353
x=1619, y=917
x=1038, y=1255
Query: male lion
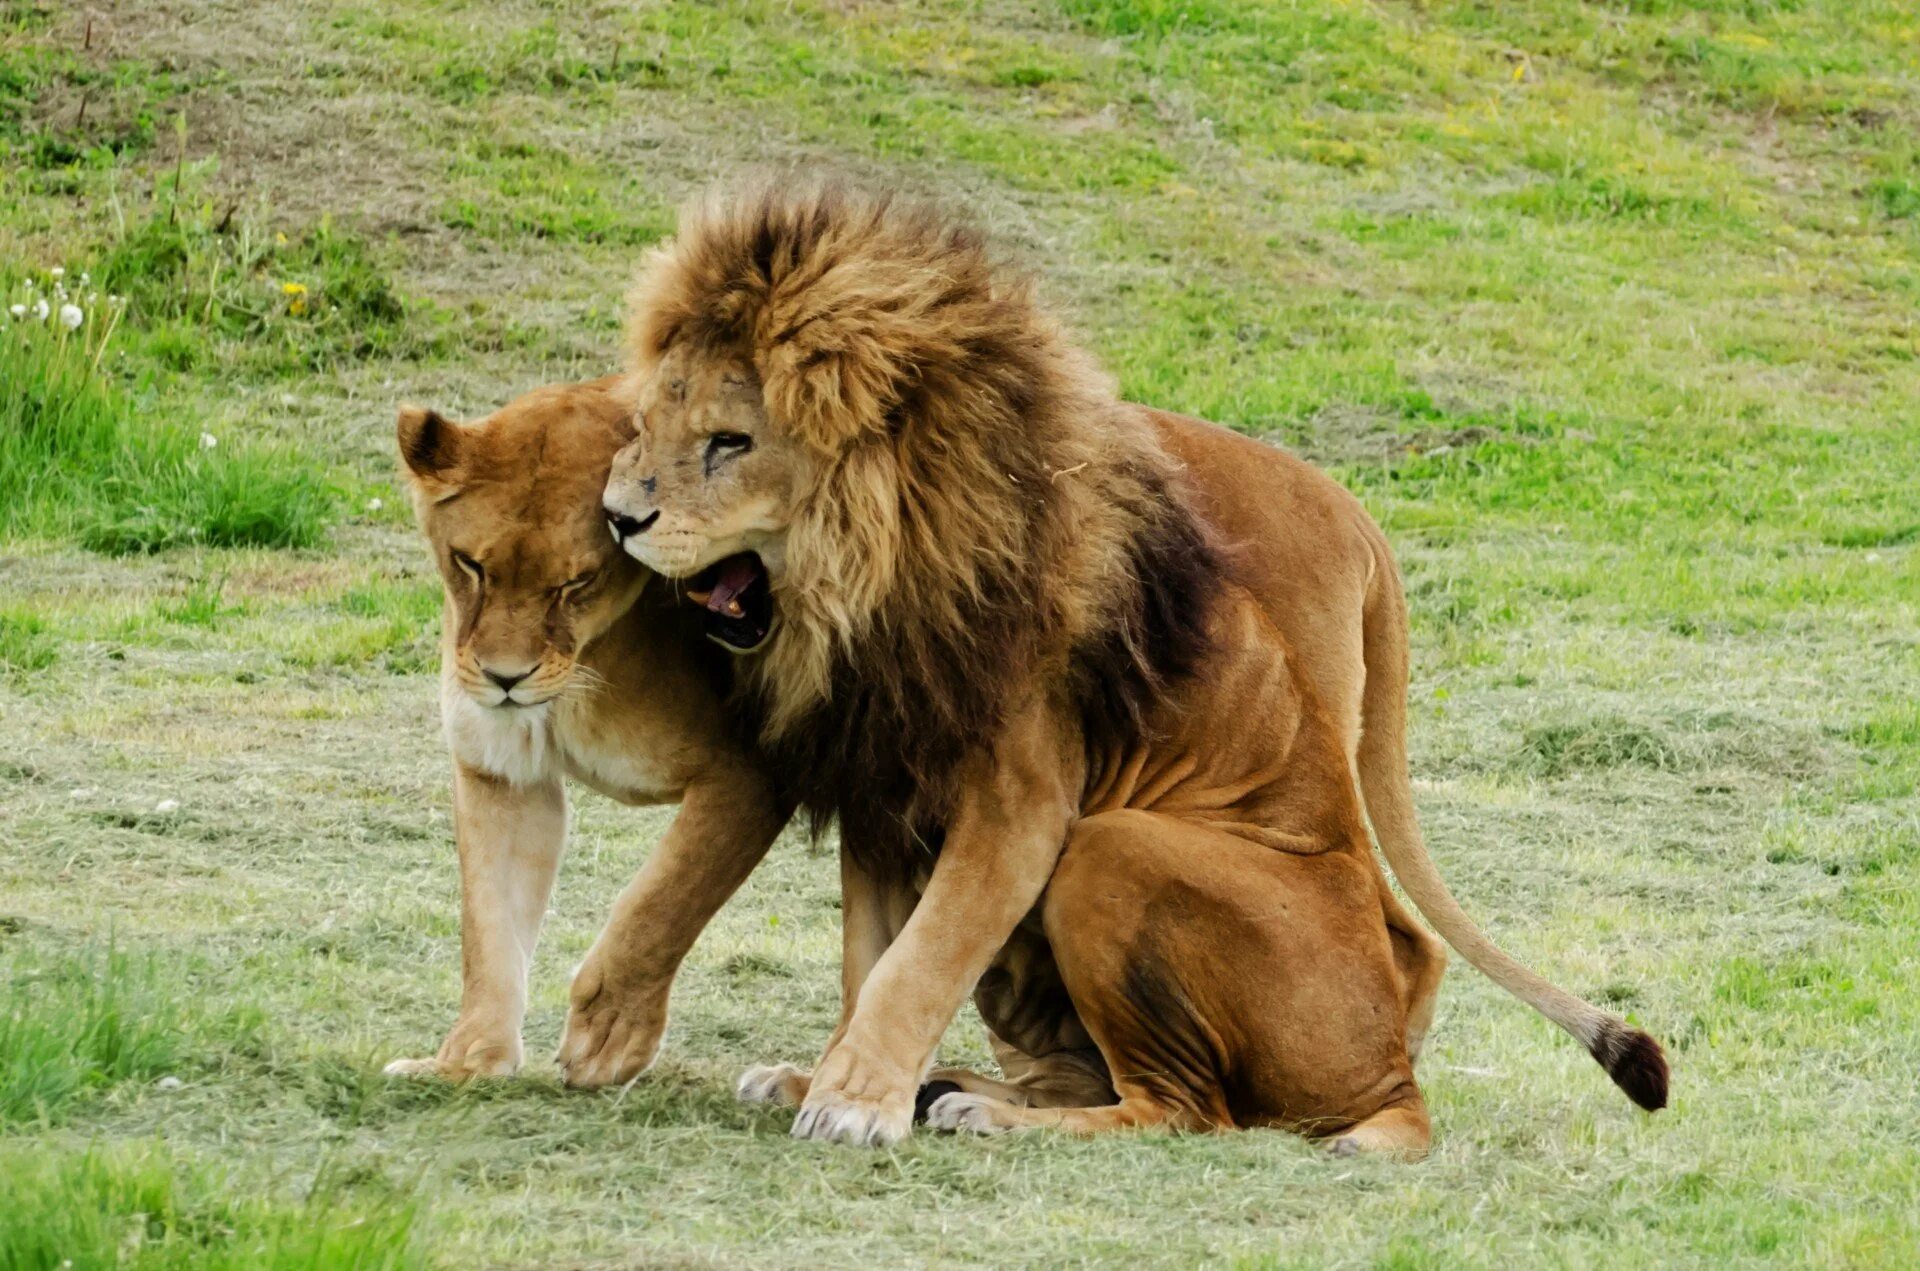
x=557, y=660
x=1015, y=635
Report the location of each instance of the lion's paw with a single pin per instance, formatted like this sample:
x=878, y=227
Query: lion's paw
x=781, y=1085
x=832, y=1117
x=972, y=1113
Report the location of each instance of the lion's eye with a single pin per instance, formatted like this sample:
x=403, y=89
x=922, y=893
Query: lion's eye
x=722, y=444
x=574, y=586
x=469, y=565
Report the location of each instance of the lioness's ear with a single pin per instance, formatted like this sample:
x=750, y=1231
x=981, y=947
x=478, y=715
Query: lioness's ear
x=430, y=444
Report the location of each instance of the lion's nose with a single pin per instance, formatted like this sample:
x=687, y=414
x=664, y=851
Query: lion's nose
x=625, y=527
x=505, y=681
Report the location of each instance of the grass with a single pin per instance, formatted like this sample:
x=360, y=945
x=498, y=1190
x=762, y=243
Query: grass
x=136, y=1207
x=80, y=1024
x=1607, y=312
x=78, y=460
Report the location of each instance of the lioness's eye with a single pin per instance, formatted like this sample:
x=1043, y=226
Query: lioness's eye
x=469, y=564
x=575, y=586
x=726, y=443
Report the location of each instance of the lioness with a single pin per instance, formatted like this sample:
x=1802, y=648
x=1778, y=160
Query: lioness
x=991, y=610
x=557, y=660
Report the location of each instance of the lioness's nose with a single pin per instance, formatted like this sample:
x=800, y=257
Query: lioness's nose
x=505, y=681
x=625, y=527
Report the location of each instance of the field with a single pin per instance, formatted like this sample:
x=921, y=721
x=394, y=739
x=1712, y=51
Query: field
x=1610, y=312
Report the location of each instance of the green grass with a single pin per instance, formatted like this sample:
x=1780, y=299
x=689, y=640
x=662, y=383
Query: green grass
x=1606, y=311
x=75, y=1025
x=137, y=1207
x=78, y=460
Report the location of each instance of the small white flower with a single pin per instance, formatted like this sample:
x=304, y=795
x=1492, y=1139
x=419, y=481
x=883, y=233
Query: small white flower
x=208, y=441
x=167, y=805
x=374, y=505
x=18, y=311
x=168, y=1083
x=40, y=311
x=56, y=273
x=71, y=316
x=85, y=278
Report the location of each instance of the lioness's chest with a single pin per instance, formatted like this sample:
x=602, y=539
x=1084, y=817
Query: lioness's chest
x=614, y=755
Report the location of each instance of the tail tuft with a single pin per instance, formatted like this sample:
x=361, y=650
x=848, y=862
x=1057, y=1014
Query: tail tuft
x=1635, y=1062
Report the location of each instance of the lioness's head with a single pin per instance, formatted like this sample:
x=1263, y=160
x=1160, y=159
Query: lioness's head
x=511, y=505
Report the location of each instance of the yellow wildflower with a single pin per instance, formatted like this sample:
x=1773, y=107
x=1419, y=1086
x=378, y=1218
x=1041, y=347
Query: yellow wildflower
x=296, y=294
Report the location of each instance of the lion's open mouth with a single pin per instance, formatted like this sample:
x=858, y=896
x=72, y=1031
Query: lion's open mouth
x=738, y=600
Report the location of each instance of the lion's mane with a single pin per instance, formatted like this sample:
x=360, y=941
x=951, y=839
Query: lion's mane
x=990, y=517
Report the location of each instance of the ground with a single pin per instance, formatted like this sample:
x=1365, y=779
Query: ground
x=1607, y=311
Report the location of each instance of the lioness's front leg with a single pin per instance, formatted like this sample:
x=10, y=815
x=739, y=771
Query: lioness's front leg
x=1002, y=841
x=510, y=838
x=728, y=819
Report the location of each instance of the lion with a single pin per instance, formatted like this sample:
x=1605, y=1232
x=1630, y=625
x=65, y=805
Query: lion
x=1102, y=697
x=557, y=659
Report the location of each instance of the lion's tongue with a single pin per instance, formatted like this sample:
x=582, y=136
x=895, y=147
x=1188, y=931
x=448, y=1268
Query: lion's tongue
x=735, y=577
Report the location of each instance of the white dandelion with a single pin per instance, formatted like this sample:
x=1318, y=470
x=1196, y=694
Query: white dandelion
x=18, y=311
x=71, y=316
x=56, y=273
x=40, y=310
x=374, y=505
x=208, y=441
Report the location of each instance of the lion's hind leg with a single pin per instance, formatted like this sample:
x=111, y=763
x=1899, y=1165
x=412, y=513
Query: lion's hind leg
x=984, y=1114
x=1073, y=1078
x=1226, y=984
x=1402, y=1130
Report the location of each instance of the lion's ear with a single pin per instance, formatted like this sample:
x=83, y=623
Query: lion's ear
x=430, y=444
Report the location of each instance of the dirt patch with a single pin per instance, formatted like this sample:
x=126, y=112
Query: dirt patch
x=1352, y=435
x=1701, y=741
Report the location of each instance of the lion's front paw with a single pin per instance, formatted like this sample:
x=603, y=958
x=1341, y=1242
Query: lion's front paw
x=832, y=1117
x=973, y=1113
x=781, y=1085
x=858, y=1102
x=613, y=1034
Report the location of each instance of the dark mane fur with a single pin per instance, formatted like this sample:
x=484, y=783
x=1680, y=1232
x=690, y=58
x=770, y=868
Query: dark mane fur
x=993, y=522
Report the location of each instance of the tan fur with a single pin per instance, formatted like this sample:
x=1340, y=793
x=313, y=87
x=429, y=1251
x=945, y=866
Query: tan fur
x=623, y=696
x=1016, y=614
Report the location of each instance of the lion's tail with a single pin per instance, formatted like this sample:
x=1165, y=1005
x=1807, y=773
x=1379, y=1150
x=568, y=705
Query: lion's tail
x=1632, y=1058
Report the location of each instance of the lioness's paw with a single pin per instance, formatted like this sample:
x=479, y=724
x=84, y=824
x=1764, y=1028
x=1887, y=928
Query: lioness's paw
x=614, y=1026
x=481, y=1061
x=610, y=1043
x=973, y=1113
x=832, y=1117
x=412, y=1068
x=781, y=1085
